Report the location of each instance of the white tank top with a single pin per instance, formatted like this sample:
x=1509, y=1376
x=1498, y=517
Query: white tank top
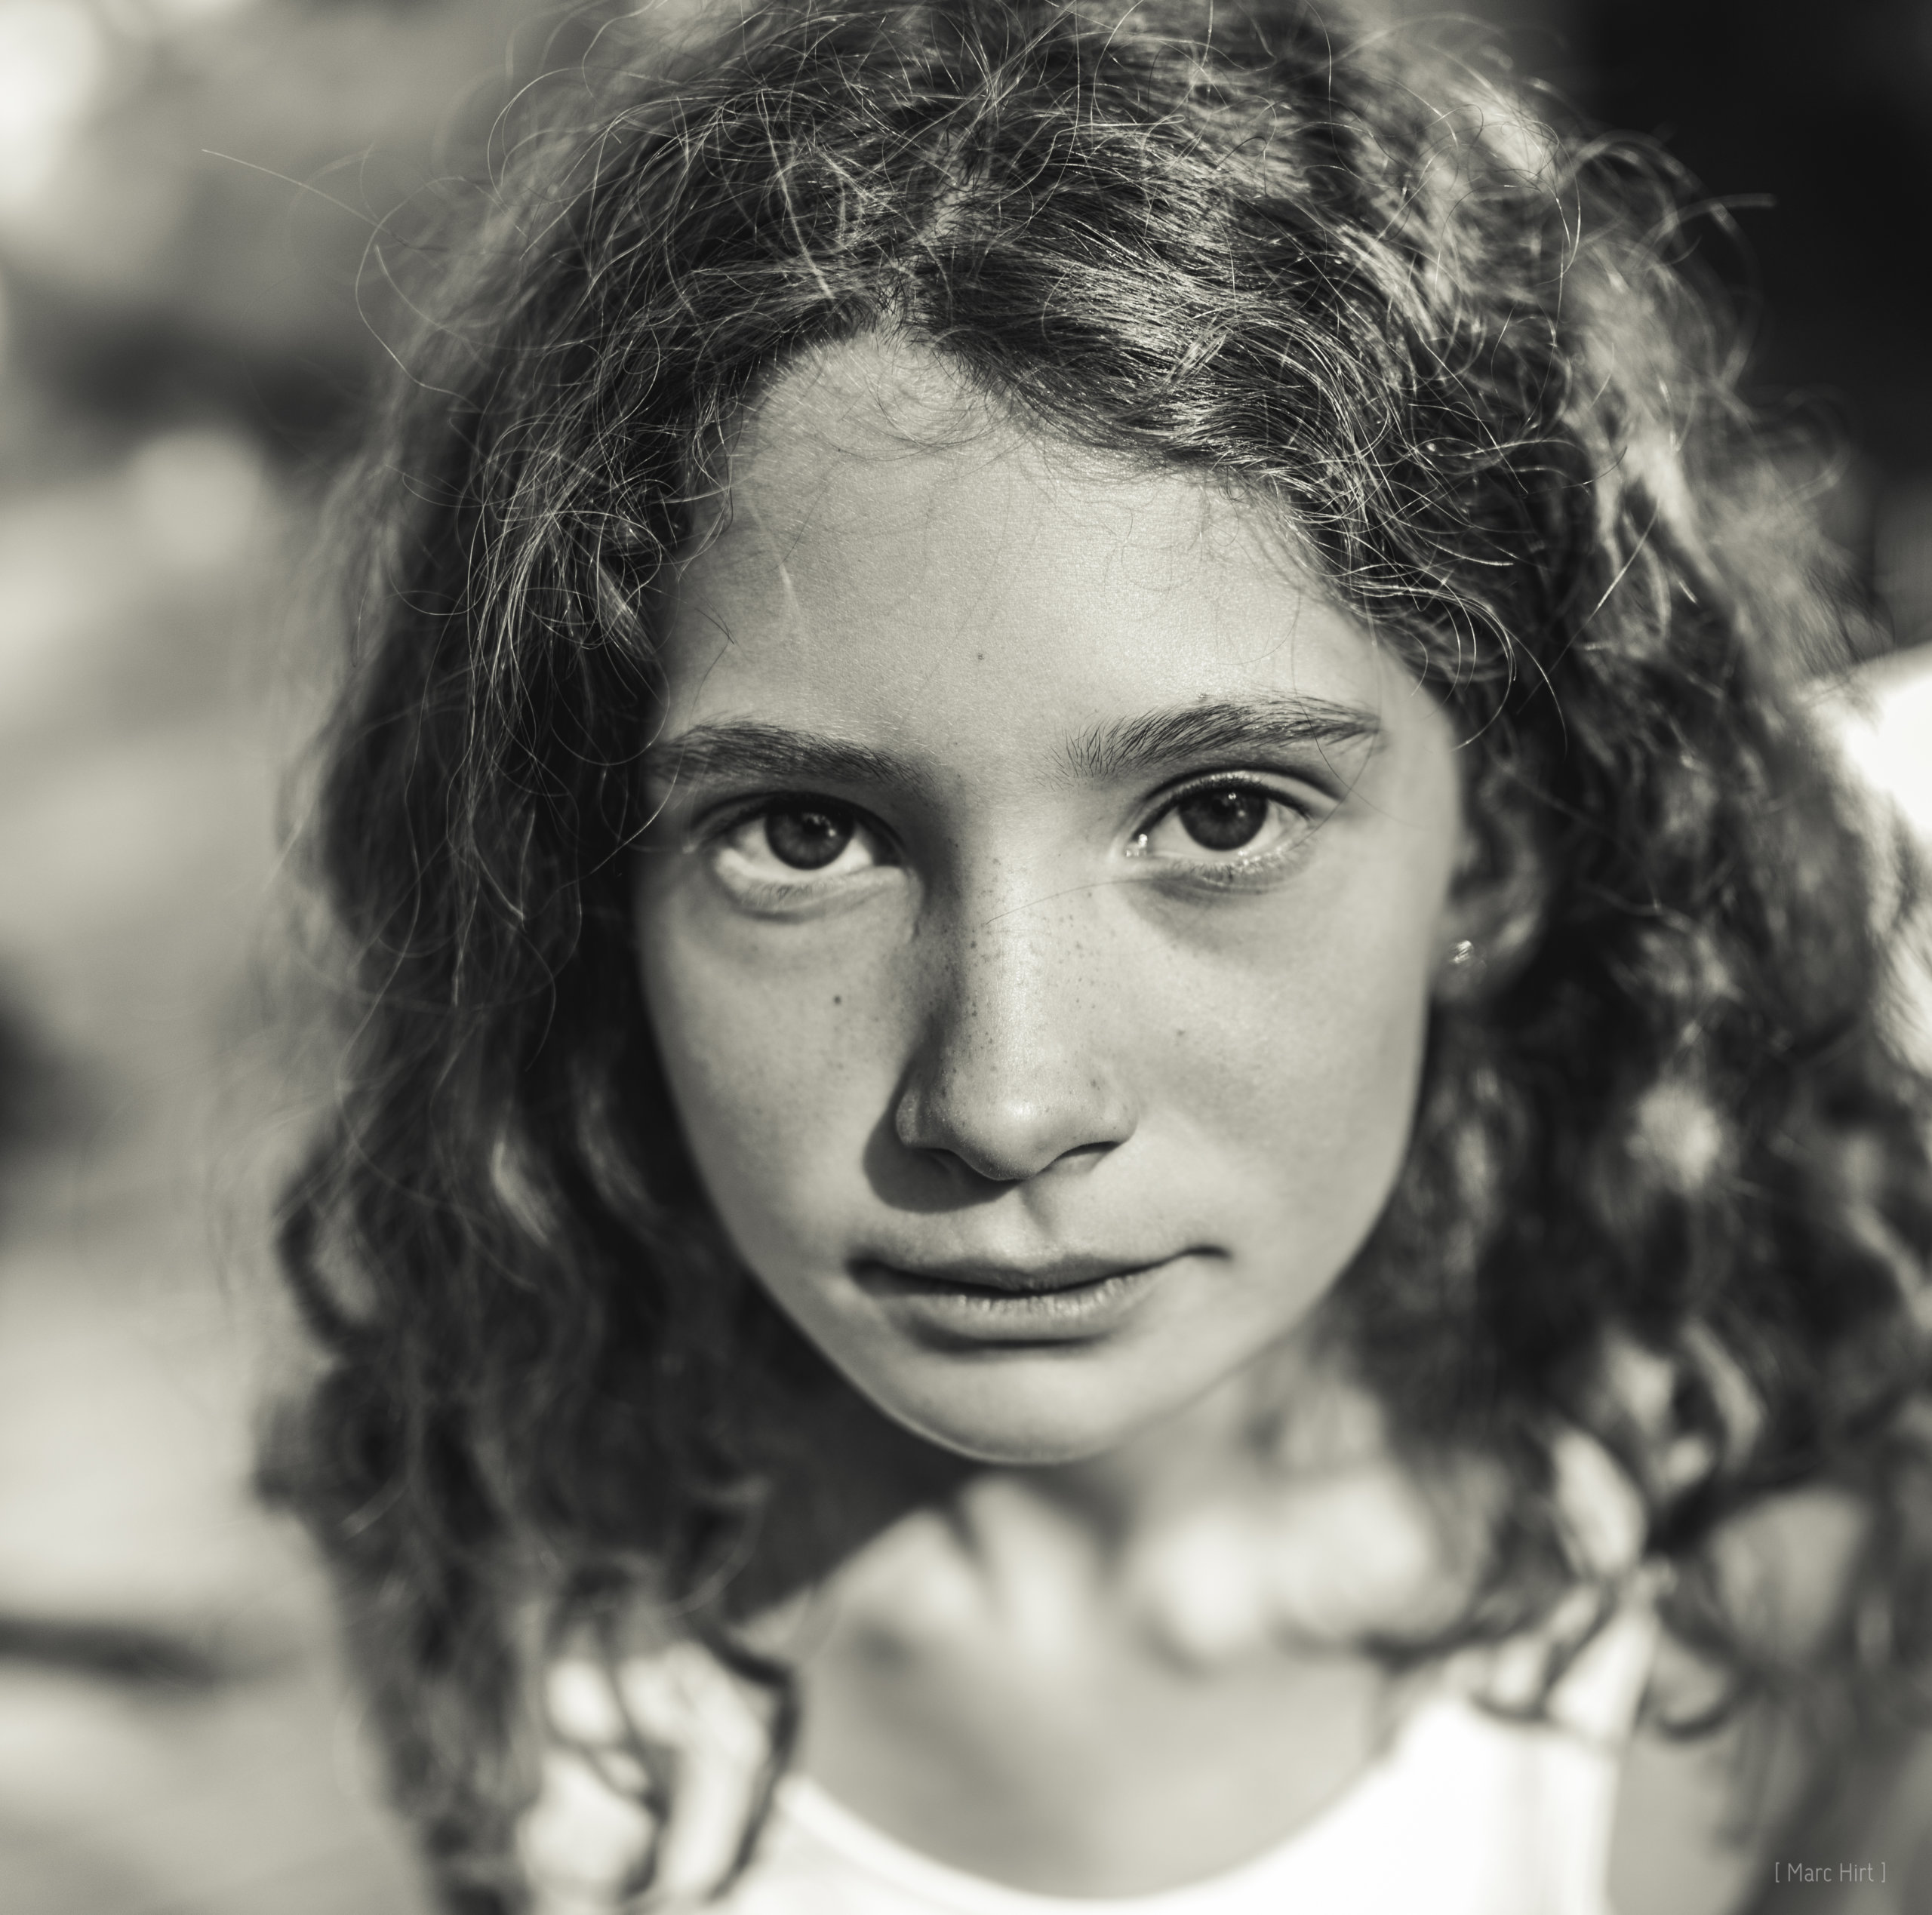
x=1464, y=1814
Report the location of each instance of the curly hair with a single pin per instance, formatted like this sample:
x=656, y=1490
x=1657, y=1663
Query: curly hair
x=1467, y=359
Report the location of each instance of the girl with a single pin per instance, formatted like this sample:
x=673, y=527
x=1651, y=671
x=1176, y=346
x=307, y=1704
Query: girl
x=1120, y=1070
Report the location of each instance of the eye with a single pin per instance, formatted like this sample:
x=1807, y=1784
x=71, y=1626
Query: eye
x=807, y=837
x=790, y=843
x=1228, y=819
x=1228, y=825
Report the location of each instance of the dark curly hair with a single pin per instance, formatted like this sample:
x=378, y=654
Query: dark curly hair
x=1671, y=1135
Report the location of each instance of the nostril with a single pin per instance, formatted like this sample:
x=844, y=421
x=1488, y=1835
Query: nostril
x=1008, y=1144
x=1083, y=1154
x=977, y=1170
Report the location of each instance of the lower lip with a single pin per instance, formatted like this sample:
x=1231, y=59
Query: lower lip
x=1076, y=1314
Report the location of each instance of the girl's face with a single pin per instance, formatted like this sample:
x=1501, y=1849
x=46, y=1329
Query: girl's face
x=1040, y=919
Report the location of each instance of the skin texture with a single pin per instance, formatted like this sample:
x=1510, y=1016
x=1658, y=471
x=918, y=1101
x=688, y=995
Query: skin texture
x=1025, y=1015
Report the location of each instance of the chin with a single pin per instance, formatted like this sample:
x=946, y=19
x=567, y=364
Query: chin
x=1028, y=1411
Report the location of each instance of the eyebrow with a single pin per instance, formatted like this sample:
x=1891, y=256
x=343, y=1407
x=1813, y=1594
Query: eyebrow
x=1214, y=727
x=744, y=748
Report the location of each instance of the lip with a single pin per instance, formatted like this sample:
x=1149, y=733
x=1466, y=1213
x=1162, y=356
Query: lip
x=1069, y=1300
x=1011, y=1279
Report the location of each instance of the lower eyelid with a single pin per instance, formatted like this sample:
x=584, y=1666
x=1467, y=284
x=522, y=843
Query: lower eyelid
x=1233, y=871
x=797, y=877
x=778, y=885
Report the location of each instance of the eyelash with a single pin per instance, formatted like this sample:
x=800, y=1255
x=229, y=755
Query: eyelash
x=1228, y=873
x=1234, y=870
x=712, y=837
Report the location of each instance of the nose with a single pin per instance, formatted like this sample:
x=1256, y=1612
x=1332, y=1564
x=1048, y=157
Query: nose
x=1014, y=1074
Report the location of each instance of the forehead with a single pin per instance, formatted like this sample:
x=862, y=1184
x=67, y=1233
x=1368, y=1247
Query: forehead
x=891, y=549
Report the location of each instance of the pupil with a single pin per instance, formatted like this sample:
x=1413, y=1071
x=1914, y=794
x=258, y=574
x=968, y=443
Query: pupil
x=807, y=839
x=1223, y=820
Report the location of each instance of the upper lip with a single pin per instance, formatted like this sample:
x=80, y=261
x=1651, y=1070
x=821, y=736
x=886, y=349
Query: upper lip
x=1018, y=1279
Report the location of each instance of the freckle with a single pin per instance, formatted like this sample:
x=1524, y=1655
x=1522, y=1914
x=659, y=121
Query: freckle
x=838, y=1000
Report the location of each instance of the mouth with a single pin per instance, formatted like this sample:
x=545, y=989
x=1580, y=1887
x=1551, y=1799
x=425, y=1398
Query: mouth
x=1067, y=1300
x=1016, y=1280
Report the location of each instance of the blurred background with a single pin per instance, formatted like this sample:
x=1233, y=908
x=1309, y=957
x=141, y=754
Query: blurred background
x=195, y=199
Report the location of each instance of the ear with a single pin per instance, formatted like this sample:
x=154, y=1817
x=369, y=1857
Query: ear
x=1494, y=916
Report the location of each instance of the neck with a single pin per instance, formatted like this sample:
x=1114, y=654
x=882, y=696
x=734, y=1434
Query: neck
x=855, y=1473
x=1285, y=1453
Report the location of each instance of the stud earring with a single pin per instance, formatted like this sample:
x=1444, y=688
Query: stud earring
x=1466, y=954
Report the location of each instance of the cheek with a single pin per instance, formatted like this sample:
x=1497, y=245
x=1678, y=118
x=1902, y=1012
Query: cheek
x=1298, y=1059
x=775, y=1072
